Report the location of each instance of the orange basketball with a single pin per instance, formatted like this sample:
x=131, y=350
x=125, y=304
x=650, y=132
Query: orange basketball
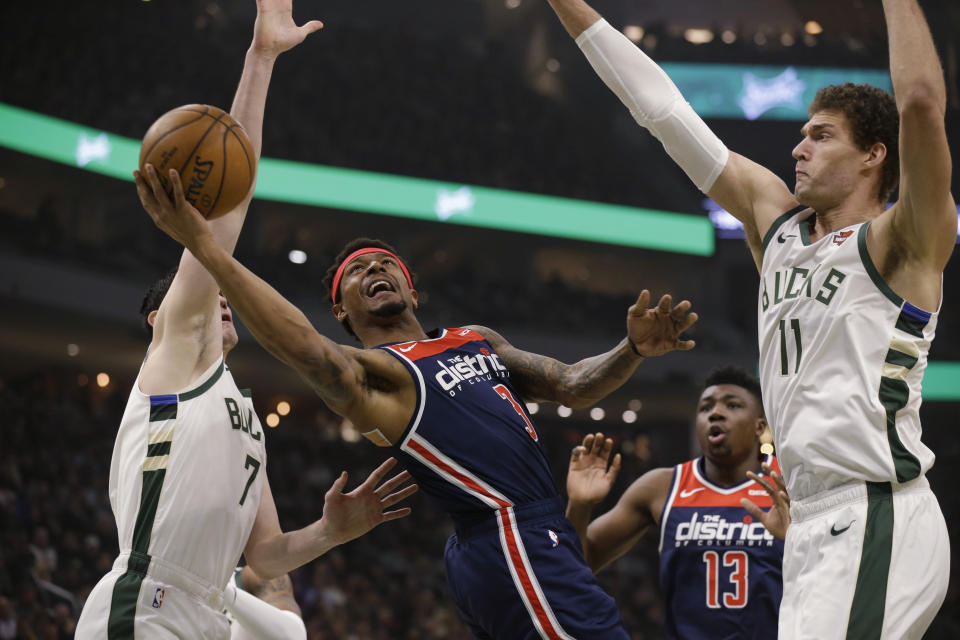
x=209, y=149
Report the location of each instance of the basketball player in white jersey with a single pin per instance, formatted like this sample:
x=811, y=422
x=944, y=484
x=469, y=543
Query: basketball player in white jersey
x=848, y=305
x=188, y=485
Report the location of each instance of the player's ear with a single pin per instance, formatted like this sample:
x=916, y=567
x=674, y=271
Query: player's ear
x=152, y=317
x=876, y=154
x=761, y=426
x=339, y=312
x=415, y=296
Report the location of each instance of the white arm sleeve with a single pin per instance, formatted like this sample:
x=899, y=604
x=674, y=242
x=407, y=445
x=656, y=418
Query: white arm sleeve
x=655, y=103
x=257, y=620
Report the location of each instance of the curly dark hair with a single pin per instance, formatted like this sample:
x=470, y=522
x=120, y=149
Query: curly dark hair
x=154, y=296
x=354, y=245
x=873, y=117
x=730, y=374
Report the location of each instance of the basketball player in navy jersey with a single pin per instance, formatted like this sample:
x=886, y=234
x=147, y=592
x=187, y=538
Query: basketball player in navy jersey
x=451, y=404
x=719, y=568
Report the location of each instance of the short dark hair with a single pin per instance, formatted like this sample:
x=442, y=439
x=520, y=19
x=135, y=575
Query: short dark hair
x=154, y=296
x=354, y=245
x=730, y=374
x=873, y=117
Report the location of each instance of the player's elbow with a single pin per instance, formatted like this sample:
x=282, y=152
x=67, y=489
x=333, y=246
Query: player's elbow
x=258, y=559
x=923, y=100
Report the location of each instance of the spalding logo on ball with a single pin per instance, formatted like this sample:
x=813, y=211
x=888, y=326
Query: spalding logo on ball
x=209, y=149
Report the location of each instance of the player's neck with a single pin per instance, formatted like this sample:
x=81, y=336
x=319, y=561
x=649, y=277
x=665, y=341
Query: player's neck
x=403, y=329
x=852, y=210
x=730, y=474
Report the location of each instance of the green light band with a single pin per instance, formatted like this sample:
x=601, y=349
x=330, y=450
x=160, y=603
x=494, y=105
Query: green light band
x=761, y=92
x=941, y=381
x=339, y=188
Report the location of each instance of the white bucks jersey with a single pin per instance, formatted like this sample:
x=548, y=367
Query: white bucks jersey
x=841, y=360
x=186, y=476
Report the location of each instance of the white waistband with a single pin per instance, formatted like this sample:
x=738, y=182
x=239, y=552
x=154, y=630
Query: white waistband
x=175, y=576
x=831, y=499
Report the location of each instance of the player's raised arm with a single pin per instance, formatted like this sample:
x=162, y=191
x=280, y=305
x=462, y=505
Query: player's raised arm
x=190, y=314
x=650, y=332
x=588, y=483
x=924, y=218
x=750, y=192
x=340, y=375
x=346, y=516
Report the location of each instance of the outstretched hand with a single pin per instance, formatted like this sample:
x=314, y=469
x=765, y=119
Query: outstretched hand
x=588, y=478
x=656, y=331
x=173, y=214
x=777, y=519
x=350, y=515
x=275, y=31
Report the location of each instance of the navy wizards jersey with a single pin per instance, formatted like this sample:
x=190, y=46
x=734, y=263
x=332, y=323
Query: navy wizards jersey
x=720, y=570
x=514, y=566
x=471, y=443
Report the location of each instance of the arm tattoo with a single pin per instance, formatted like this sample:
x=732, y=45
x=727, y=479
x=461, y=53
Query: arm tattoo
x=279, y=593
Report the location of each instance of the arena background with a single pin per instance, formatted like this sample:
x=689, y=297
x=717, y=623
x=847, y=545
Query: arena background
x=478, y=94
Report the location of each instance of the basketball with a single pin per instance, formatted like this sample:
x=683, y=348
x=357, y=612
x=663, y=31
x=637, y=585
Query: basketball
x=209, y=149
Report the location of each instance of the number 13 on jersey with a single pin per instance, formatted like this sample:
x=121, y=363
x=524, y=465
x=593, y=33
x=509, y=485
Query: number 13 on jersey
x=734, y=593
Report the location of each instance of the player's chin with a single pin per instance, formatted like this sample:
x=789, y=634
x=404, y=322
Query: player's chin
x=230, y=337
x=388, y=308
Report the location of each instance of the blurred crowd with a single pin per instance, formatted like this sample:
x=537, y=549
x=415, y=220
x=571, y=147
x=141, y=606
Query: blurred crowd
x=58, y=537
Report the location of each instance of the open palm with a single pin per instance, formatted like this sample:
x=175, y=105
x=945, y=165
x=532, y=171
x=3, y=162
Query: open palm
x=588, y=478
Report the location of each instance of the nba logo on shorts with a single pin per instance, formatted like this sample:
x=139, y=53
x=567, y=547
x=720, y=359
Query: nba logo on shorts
x=158, y=598
x=554, y=538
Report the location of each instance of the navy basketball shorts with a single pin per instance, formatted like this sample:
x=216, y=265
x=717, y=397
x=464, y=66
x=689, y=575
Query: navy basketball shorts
x=520, y=575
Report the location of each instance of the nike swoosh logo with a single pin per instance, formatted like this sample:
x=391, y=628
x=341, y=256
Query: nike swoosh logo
x=835, y=532
x=408, y=348
x=781, y=238
x=687, y=494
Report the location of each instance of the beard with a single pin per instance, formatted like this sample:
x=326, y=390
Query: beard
x=390, y=309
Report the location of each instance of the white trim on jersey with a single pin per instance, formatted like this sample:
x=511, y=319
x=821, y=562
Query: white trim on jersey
x=677, y=475
x=728, y=491
x=447, y=468
x=555, y=631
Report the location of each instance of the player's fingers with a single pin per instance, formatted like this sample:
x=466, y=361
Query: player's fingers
x=178, y=195
x=153, y=180
x=311, y=27
x=753, y=509
x=689, y=321
x=393, y=483
x=778, y=480
x=403, y=494
x=577, y=452
x=338, y=484
x=587, y=442
x=396, y=513
x=597, y=443
x=614, y=468
x=679, y=311
x=144, y=192
x=377, y=474
x=639, y=307
x=663, y=307
x=686, y=345
x=606, y=448
x=756, y=477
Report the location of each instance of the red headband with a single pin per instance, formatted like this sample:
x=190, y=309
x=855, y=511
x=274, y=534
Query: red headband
x=359, y=252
